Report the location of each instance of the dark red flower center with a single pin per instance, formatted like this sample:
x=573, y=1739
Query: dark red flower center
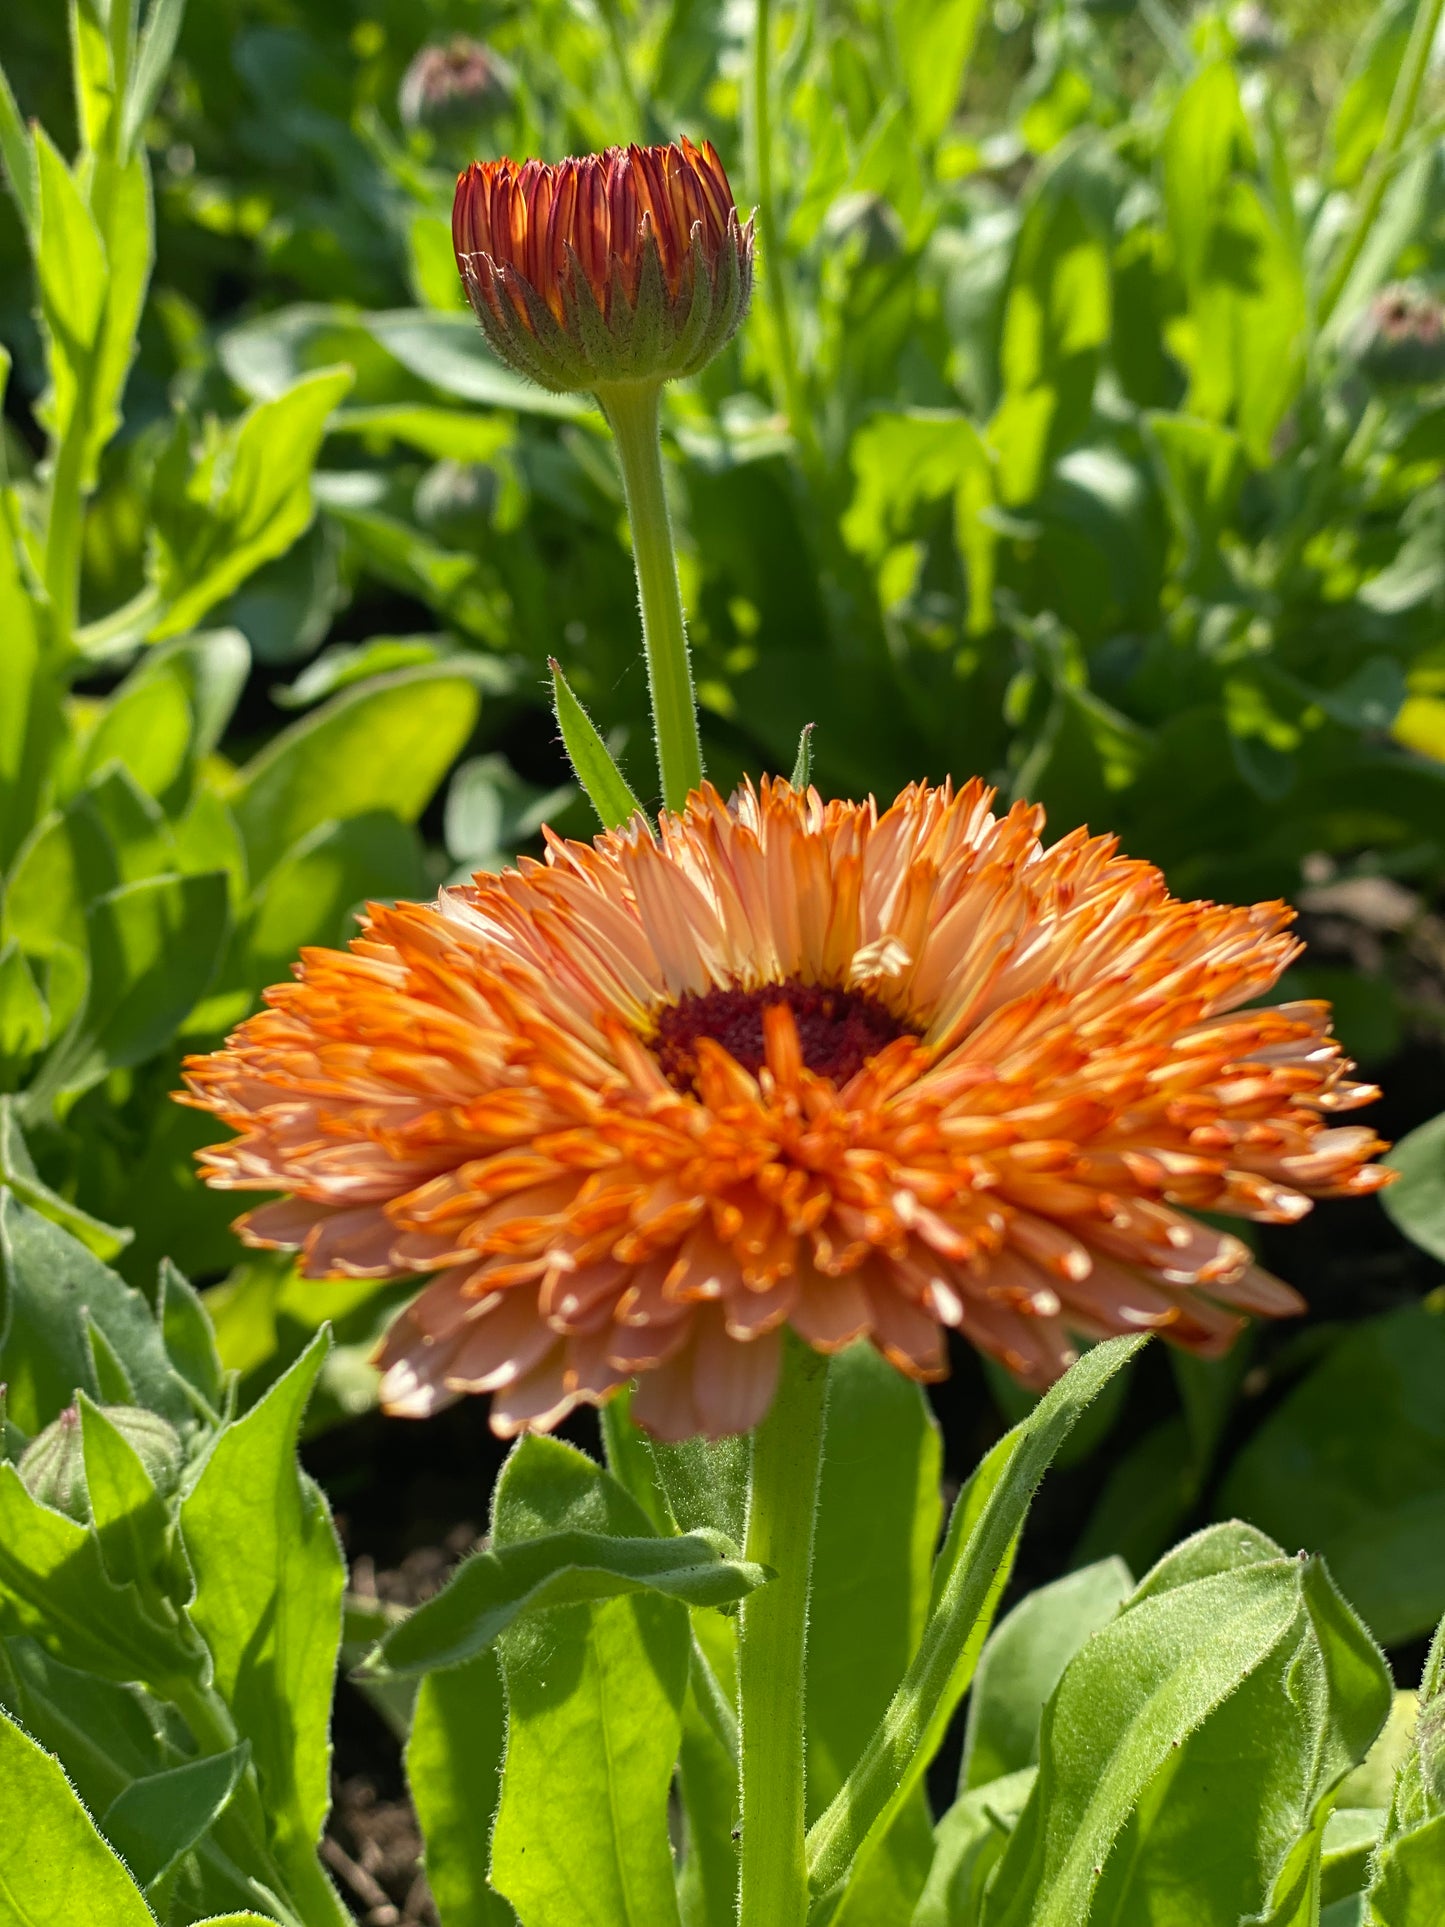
x=839, y=1030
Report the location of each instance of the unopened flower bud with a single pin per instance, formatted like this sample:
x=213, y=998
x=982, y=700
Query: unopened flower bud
x=455, y=501
x=1400, y=340
x=631, y=265
x=52, y=1466
x=453, y=88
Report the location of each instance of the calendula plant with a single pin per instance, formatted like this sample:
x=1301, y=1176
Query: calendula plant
x=673, y=1120
x=722, y=1123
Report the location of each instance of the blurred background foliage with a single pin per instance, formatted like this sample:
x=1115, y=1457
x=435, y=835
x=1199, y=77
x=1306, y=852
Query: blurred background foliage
x=1089, y=433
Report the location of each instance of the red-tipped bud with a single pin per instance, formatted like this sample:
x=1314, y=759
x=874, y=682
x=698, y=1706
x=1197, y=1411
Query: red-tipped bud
x=631, y=265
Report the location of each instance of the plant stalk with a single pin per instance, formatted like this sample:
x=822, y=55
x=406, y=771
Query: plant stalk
x=631, y=409
x=1403, y=102
x=787, y=381
x=772, y=1635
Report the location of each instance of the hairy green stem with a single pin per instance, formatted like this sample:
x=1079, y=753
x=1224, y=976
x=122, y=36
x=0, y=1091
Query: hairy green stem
x=772, y=1636
x=302, y=1886
x=631, y=409
x=1378, y=175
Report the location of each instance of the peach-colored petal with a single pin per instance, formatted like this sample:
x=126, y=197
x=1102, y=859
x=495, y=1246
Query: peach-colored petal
x=637, y=1108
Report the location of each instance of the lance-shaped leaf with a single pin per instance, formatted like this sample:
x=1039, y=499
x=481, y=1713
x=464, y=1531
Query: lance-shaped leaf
x=969, y=1842
x=155, y=1820
x=55, y=1869
x=607, y=788
x=454, y=1771
x=268, y=1576
x=492, y=1588
x=968, y=1580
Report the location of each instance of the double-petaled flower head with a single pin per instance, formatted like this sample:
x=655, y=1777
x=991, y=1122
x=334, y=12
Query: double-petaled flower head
x=634, y=1110
x=631, y=265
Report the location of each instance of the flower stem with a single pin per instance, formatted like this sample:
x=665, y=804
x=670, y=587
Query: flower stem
x=772, y=1632
x=632, y=413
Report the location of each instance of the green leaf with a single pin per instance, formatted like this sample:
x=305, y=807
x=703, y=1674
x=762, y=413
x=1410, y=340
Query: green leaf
x=935, y=44
x=268, y=1582
x=1407, y=1885
x=1207, y=138
x=70, y=267
x=1023, y=1662
x=445, y=434
x=130, y=1519
x=971, y=1572
x=1201, y=470
x=18, y=1174
x=311, y=891
x=454, y=1769
x=1224, y=1654
x=47, y=1281
x=448, y=351
x=24, y=1016
x=1350, y=1837
x=594, y=1702
x=189, y=1338
x=1057, y=320
x=245, y=501
x=17, y=155
x=104, y=1734
x=606, y=787
x=706, y=1484
x=55, y=1869
x=803, y=765
x=1417, y=1201
x=123, y=193
x=31, y=723
x=146, y=728
x=493, y=1588
x=382, y=745
x=66, y=862
x=1363, y=104
x=970, y=1839
x=149, y=69
x=1352, y=1466
x=878, y=1520
x=54, y=1588
x=153, y=947
x=155, y=1820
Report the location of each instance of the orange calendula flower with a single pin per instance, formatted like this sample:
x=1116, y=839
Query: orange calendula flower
x=639, y=1107
x=631, y=265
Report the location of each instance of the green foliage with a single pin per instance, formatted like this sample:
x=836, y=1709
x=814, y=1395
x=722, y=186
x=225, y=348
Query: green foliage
x=1085, y=479
x=167, y=1664
x=1352, y=1464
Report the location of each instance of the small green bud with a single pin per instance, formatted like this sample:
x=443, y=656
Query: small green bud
x=52, y=1466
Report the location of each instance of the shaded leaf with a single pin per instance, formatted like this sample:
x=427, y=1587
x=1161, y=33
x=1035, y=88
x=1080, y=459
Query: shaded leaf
x=157, y=1819
x=454, y=1772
